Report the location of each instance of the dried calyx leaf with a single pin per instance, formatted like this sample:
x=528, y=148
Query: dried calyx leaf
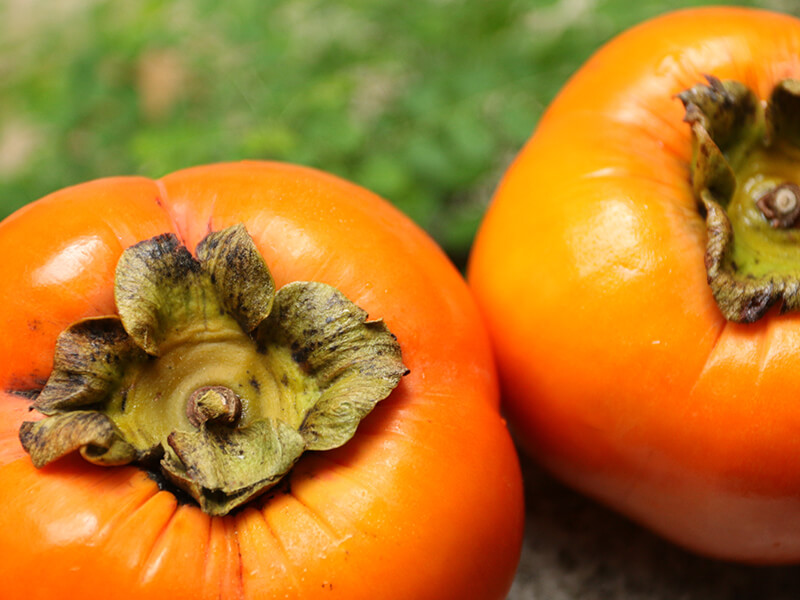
x=211, y=373
x=345, y=355
x=91, y=432
x=223, y=468
x=96, y=352
x=745, y=174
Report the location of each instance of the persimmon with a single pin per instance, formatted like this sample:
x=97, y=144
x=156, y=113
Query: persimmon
x=638, y=269
x=185, y=366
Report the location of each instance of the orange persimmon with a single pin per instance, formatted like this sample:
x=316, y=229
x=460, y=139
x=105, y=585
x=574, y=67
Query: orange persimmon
x=661, y=167
x=424, y=502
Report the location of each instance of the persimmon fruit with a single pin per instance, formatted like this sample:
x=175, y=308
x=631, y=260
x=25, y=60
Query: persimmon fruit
x=638, y=270
x=186, y=359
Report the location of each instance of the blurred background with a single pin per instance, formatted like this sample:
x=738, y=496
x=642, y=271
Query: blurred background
x=423, y=102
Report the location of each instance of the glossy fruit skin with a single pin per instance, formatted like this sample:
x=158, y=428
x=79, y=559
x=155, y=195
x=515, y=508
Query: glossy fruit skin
x=424, y=502
x=619, y=371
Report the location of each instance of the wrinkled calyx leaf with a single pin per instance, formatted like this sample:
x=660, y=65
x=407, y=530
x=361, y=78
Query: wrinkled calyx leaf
x=209, y=374
x=745, y=174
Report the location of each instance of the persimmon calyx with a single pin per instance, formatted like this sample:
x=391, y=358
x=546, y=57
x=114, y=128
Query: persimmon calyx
x=211, y=376
x=745, y=174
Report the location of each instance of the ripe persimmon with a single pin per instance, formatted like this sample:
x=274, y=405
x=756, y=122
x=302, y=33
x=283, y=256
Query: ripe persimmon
x=669, y=162
x=159, y=326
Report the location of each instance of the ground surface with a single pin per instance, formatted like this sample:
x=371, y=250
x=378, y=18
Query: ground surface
x=577, y=550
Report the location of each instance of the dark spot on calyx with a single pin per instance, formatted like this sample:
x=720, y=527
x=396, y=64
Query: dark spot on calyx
x=165, y=485
x=301, y=355
x=27, y=394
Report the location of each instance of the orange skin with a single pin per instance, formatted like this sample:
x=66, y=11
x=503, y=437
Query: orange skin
x=620, y=373
x=424, y=503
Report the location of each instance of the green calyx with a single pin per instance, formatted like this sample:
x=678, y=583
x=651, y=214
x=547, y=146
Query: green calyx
x=210, y=375
x=745, y=174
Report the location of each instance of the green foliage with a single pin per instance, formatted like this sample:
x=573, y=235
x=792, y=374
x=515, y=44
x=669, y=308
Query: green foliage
x=423, y=102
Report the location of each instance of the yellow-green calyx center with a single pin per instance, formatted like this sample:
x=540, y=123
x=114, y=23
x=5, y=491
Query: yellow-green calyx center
x=745, y=174
x=210, y=375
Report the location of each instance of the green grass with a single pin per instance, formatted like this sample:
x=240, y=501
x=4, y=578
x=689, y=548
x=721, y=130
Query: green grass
x=423, y=102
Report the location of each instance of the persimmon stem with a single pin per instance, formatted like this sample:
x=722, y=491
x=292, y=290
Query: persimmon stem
x=210, y=371
x=745, y=174
x=214, y=403
x=780, y=205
